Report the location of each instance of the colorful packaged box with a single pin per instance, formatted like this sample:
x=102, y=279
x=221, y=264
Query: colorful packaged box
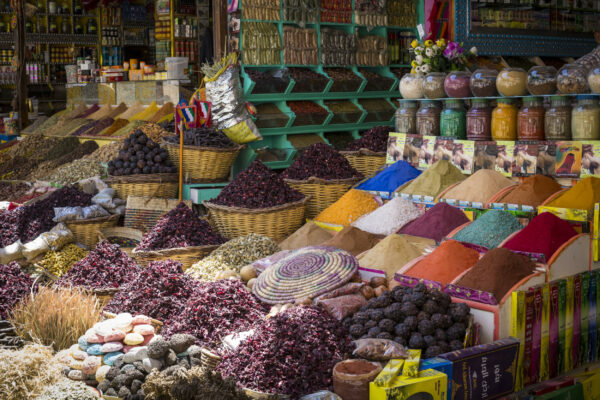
x=441, y=365
x=484, y=372
x=574, y=392
x=429, y=384
x=590, y=382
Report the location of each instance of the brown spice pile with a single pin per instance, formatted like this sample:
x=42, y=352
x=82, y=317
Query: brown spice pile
x=154, y=132
x=310, y=234
x=533, y=191
x=105, y=153
x=353, y=240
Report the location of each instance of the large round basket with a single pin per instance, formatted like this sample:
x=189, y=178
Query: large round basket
x=86, y=230
x=210, y=360
x=124, y=234
x=185, y=255
x=365, y=161
x=275, y=222
x=322, y=193
x=206, y=164
x=151, y=185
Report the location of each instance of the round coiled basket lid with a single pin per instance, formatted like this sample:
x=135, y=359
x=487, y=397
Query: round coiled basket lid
x=306, y=272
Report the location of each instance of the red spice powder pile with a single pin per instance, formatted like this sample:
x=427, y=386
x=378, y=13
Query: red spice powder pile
x=445, y=263
x=544, y=234
x=436, y=223
x=497, y=272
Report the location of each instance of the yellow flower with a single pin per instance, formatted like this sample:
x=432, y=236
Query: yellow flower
x=414, y=43
x=413, y=64
x=441, y=43
x=413, y=72
x=428, y=43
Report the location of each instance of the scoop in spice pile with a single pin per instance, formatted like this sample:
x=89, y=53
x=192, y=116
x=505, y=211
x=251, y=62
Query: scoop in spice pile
x=292, y=353
x=257, y=187
x=107, y=266
x=321, y=161
x=375, y=139
x=180, y=227
x=415, y=317
x=140, y=155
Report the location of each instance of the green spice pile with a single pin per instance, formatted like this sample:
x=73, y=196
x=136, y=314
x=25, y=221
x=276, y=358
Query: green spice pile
x=490, y=229
x=233, y=255
x=194, y=384
x=67, y=389
x=59, y=262
x=75, y=171
x=435, y=179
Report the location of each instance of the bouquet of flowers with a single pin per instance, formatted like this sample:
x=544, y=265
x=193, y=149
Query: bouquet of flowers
x=439, y=56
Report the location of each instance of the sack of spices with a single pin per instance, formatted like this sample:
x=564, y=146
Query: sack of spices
x=62, y=214
x=11, y=252
x=58, y=237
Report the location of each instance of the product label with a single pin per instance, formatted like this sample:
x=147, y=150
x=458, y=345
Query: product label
x=462, y=155
x=568, y=159
x=590, y=154
x=536, y=340
x=504, y=159
x=554, y=322
x=525, y=156
x=395, y=147
x=529, y=319
x=427, y=151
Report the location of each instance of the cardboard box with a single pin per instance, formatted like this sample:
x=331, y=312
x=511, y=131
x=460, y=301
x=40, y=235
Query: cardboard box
x=429, y=384
x=484, y=372
x=590, y=381
x=443, y=366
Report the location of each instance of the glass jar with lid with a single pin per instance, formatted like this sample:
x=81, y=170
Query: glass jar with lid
x=453, y=121
x=541, y=80
x=406, y=117
x=411, y=86
x=457, y=84
x=512, y=82
x=479, y=120
x=572, y=79
x=530, y=120
x=433, y=85
x=557, y=121
x=428, y=118
x=504, y=120
x=585, y=120
x=483, y=83
x=594, y=80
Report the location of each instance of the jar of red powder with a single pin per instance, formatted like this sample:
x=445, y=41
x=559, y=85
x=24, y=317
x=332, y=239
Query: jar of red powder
x=530, y=120
x=457, y=84
x=479, y=120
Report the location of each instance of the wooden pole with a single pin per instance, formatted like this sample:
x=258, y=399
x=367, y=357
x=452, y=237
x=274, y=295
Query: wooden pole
x=21, y=84
x=219, y=14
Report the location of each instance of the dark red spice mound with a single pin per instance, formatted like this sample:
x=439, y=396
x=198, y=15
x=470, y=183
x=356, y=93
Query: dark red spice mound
x=215, y=310
x=105, y=267
x=544, y=234
x=160, y=291
x=375, y=139
x=28, y=222
x=292, y=353
x=436, y=223
x=322, y=161
x=257, y=187
x=14, y=285
x=180, y=227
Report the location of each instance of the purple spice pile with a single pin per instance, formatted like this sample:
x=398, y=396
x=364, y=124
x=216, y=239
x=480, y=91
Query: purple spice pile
x=214, y=311
x=105, y=267
x=375, y=139
x=180, y=227
x=14, y=285
x=292, y=353
x=160, y=291
x=257, y=187
x=322, y=161
x=28, y=222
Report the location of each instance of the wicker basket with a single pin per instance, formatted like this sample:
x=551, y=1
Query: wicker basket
x=127, y=233
x=104, y=295
x=275, y=222
x=185, y=255
x=155, y=323
x=206, y=164
x=322, y=193
x=86, y=230
x=151, y=185
x=210, y=360
x=365, y=161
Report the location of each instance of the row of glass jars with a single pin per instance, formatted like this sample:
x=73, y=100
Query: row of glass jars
x=570, y=79
x=504, y=122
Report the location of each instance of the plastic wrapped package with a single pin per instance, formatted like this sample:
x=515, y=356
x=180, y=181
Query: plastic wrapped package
x=379, y=349
x=94, y=211
x=11, y=252
x=62, y=214
x=104, y=198
x=58, y=237
x=321, y=395
x=342, y=306
x=35, y=247
x=264, y=263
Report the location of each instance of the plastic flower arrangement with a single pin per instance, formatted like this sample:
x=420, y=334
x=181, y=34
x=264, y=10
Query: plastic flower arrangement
x=438, y=56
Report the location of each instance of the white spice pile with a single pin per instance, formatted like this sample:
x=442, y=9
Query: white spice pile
x=389, y=218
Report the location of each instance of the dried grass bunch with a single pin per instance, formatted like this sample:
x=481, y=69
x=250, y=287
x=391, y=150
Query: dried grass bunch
x=56, y=317
x=25, y=373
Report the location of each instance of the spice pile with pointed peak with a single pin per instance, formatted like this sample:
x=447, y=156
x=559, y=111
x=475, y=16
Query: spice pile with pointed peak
x=321, y=161
x=434, y=180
